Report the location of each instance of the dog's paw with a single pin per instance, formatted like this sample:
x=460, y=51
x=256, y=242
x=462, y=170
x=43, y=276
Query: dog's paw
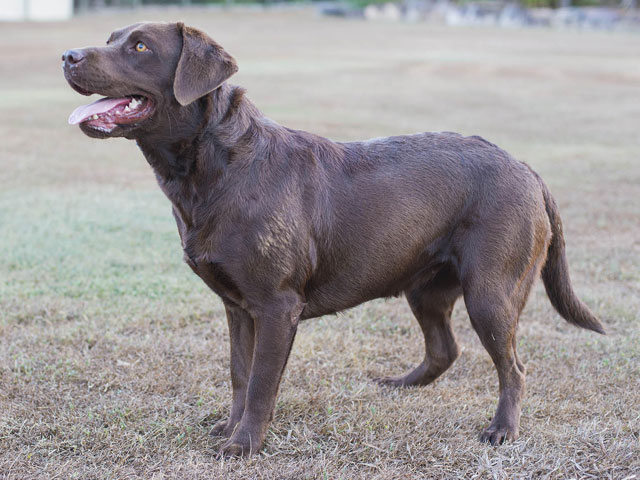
x=238, y=447
x=220, y=429
x=233, y=449
x=499, y=434
x=392, y=381
x=241, y=444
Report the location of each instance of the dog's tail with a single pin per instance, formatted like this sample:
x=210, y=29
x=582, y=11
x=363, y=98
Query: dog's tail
x=555, y=274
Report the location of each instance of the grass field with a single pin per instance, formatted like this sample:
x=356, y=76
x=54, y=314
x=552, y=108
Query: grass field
x=114, y=356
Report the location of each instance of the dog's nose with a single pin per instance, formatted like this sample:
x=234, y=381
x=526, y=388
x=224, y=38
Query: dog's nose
x=73, y=56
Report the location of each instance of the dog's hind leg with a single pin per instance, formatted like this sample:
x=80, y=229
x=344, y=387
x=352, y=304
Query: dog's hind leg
x=496, y=285
x=432, y=304
x=495, y=320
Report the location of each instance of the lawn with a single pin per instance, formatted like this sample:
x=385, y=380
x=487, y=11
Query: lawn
x=114, y=356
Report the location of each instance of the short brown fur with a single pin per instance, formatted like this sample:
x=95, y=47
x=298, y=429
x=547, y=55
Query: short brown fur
x=285, y=225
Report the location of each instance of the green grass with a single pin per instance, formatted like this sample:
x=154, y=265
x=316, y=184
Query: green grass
x=114, y=356
x=96, y=245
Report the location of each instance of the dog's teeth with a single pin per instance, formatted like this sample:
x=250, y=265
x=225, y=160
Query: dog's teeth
x=95, y=116
x=127, y=109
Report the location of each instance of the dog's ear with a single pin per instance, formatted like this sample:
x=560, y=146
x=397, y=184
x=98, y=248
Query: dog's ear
x=203, y=66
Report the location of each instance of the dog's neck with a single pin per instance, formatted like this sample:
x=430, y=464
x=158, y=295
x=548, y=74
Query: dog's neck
x=220, y=120
x=173, y=156
x=202, y=140
x=232, y=116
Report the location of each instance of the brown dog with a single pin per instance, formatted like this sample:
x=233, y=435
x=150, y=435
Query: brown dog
x=284, y=225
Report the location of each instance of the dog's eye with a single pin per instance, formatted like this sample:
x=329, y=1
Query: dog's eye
x=141, y=47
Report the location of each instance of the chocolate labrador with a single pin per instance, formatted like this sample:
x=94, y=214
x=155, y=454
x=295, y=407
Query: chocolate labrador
x=285, y=225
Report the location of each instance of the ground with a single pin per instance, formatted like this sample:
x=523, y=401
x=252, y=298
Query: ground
x=114, y=356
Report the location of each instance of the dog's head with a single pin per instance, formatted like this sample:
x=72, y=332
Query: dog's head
x=145, y=72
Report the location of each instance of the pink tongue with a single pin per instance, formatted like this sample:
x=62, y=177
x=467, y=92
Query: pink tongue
x=83, y=112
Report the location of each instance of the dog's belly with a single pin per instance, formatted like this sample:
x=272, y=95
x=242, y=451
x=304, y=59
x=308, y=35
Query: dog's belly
x=373, y=269
x=333, y=298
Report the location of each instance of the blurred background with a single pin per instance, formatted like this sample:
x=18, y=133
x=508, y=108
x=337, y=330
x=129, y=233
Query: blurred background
x=605, y=14
x=114, y=356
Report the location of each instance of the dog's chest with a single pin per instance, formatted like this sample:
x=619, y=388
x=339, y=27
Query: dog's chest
x=202, y=256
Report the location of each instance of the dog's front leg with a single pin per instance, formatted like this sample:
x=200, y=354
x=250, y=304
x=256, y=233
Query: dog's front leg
x=275, y=324
x=241, y=337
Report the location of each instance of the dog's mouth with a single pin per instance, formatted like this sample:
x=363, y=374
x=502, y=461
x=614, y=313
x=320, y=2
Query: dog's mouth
x=109, y=112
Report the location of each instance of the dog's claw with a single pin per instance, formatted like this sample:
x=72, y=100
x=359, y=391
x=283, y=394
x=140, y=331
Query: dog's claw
x=498, y=435
x=397, y=382
x=391, y=381
x=242, y=443
x=232, y=449
x=219, y=429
